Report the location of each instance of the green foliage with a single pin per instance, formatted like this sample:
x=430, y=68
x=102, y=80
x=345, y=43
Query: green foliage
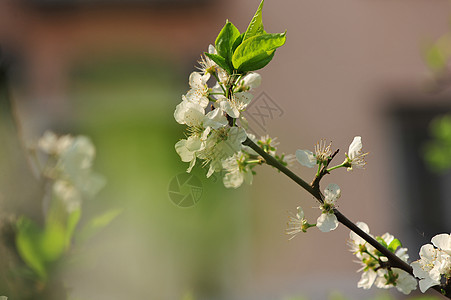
x=220, y=61
x=256, y=25
x=437, y=54
x=39, y=247
x=437, y=152
x=225, y=41
x=27, y=242
x=248, y=51
x=257, y=51
x=381, y=241
x=394, y=245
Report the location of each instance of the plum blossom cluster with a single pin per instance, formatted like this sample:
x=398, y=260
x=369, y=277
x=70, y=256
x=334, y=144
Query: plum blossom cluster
x=434, y=264
x=322, y=156
x=216, y=125
x=375, y=267
x=327, y=221
x=355, y=157
x=67, y=167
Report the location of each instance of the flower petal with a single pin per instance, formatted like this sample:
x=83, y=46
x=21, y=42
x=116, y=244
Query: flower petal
x=327, y=222
x=215, y=119
x=185, y=154
x=252, y=80
x=332, y=193
x=300, y=214
x=442, y=241
x=306, y=158
x=367, y=279
x=355, y=147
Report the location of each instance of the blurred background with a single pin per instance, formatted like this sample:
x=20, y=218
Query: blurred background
x=115, y=70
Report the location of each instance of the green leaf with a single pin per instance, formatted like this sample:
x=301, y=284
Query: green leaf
x=435, y=58
x=97, y=223
x=225, y=40
x=394, y=245
x=256, y=52
x=381, y=241
x=27, y=239
x=256, y=25
x=237, y=42
x=53, y=241
x=220, y=61
x=257, y=62
x=72, y=221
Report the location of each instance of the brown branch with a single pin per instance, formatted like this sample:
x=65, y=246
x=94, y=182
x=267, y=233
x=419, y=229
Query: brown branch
x=314, y=190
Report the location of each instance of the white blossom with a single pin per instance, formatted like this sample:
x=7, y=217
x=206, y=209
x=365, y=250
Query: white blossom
x=237, y=171
x=357, y=244
x=367, y=279
x=207, y=65
x=220, y=145
x=306, y=158
x=403, y=281
x=355, y=156
x=327, y=221
x=369, y=259
x=189, y=113
x=296, y=223
x=234, y=106
x=250, y=81
x=199, y=90
x=310, y=159
x=434, y=262
x=52, y=144
x=70, y=170
x=68, y=194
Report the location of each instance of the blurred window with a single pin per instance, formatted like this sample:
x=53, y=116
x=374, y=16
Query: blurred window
x=423, y=199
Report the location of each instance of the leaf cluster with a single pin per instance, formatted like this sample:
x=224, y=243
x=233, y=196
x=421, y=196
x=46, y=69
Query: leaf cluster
x=248, y=51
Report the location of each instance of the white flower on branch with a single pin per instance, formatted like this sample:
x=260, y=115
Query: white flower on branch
x=208, y=66
x=434, y=262
x=327, y=221
x=394, y=277
x=355, y=157
x=310, y=159
x=375, y=270
x=52, y=144
x=234, y=106
x=220, y=145
x=250, y=81
x=199, y=90
x=238, y=171
x=70, y=168
x=297, y=223
x=306, y=158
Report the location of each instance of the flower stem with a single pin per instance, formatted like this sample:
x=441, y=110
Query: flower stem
x=394, y=260
x=335, y=167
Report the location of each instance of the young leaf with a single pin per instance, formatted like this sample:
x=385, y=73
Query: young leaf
x=72, y=221
x=226, y=38
x=381, y=241
x=237, y=42
x=257, y=62
x=256, y=25
x=220, y=61
x=394, y=245
x=53, y=241
x=255, y=52
x=27, y=240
